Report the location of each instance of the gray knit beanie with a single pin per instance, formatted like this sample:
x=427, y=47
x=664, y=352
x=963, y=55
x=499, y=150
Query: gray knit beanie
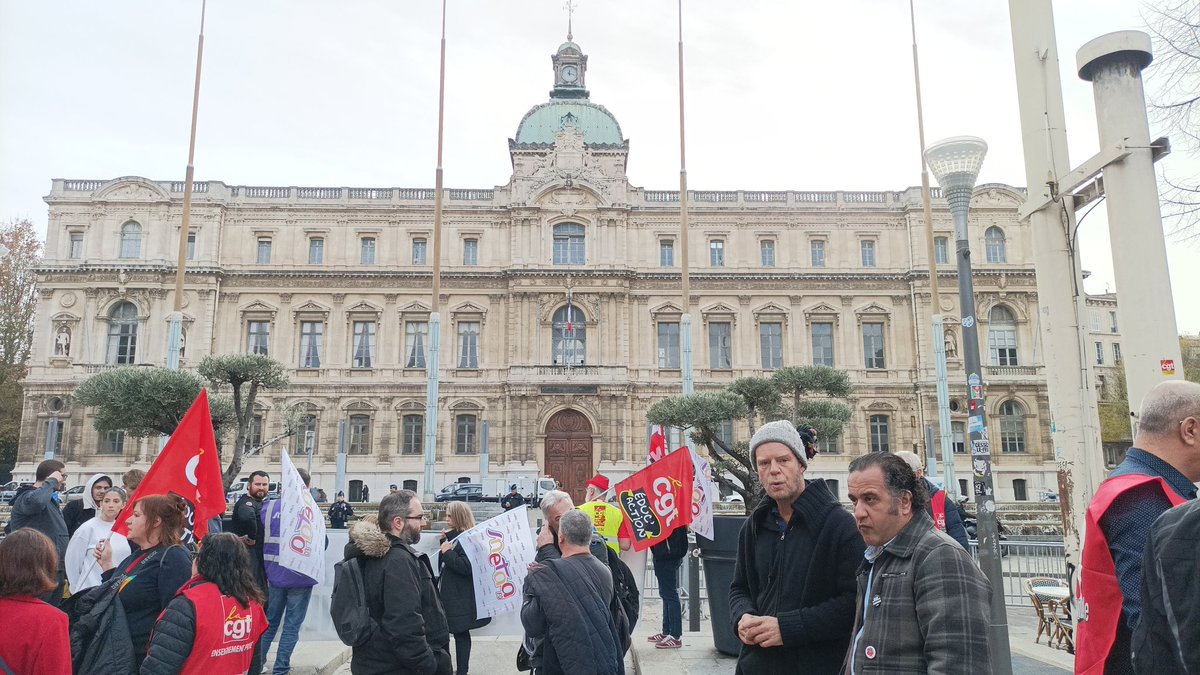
x=779, y=431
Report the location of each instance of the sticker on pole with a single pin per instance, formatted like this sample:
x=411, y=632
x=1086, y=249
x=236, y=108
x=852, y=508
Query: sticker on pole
x=976, y=392
x=980, y=447
x=973, y=380
x=1168, y=366
x=968, y=321
x=974, y=425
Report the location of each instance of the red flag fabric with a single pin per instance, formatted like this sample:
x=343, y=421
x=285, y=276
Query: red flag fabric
x=658, y=444
x=188, y=467
x=658, y=499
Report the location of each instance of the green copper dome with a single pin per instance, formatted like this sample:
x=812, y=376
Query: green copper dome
x=569, y=45
x=541, y=123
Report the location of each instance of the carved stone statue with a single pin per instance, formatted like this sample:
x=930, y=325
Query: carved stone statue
x=951, y=344
x=62, y=341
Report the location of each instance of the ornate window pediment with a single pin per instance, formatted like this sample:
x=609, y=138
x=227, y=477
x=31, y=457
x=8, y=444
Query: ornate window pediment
x=466, y=405
x=365, y=308
x=881, y=405
x=719, y=312
x=772, y=312
x=822, y=312
x=411, y=406
x=311, y=307
x=873, y=312
x=260, y=308
x=667, y=310
x=359, y=406
x=469, y=308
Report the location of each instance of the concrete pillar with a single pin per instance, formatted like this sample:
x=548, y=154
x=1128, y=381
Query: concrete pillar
x=1113, y=63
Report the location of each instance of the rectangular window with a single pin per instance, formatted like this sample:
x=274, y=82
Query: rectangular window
x=464, y=436
x=816, y=250
x=415, y=333
x=76, y=252
x=720, y=355
x=468, y=344
x=366, y=250
x=359, y=442
x=54, y=429
x=941, y=250
x=770, y=337
x=724, y=431
x=364, y=344
x=1112, y=322
x=827, y=445
x=716, y=253
x=666, y=253
x=1095, y=316
x=191, y=246
x=258, y=337
x=668, y=344
x=414, y=434
x=873, y=352
x=880, y=434
x=1117, y=353
x=264, y=251
x=822, y=344
x=316, y=251
x=1020, y=492
x=311, y=336
x=569, y=244
x=959, y=433
x=470, y=251
x=867, y=248
x=418, y=252
x=1099, y=353
x=112, y=443
x=766, y=252
x=256, y=431
x=307, y=430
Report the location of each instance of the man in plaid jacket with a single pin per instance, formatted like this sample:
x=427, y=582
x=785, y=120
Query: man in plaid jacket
x=922, y=603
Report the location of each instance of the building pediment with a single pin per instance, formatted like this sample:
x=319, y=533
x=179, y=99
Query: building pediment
x=771, y=308
x=469, y=308
x=718, y=308
x=132, y=189
x=312, y=307
x=821, y=308
x=260, y=307
x=666, y=308
x=364, y=307
x=415, y=307
x=873, y=308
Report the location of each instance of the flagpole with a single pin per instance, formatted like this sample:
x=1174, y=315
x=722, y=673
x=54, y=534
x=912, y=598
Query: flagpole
x=435, y=321
x=175, y=320
x=685, y=319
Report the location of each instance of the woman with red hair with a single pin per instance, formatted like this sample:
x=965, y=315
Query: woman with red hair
x=35, y=634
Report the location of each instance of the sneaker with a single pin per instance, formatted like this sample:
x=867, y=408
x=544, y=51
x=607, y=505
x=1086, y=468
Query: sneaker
x=657, y=637
x=669, y=642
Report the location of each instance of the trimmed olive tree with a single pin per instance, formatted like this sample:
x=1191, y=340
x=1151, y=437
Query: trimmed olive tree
x=146, y=402
x=245, y=375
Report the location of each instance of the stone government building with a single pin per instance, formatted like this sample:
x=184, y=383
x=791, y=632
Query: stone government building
x=335, y=283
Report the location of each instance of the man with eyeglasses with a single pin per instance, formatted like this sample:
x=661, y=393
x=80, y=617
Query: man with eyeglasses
x=412, y=635
x=1157, y=474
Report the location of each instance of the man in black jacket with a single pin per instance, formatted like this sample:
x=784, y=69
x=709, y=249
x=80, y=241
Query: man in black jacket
x=411, y=632
x=1164, y=642
x=37, y=507
x=792, y=597
x=247, y=522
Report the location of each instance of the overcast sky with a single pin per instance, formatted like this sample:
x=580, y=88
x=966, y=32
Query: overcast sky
x=781, y=94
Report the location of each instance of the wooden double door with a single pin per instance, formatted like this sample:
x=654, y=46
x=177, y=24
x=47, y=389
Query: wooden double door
x=569, y=452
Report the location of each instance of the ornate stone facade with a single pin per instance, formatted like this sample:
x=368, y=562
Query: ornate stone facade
x=560, y=309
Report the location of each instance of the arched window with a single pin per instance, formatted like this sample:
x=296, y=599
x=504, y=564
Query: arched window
x=569, y=337
x=131, y=240
x=1002, y=336
x=1012, y=427
x=993, y=240
x=122, y=334
x=569, y=244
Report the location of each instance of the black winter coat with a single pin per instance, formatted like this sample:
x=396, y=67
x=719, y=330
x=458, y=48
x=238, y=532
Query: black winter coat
x=411, y=636
x=568, y=606
x=100, y=641
x=674, y=547
x=805, y=577
x=1164, y=642
x=457, y=589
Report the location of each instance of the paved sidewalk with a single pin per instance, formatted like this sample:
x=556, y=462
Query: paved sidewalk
x=491, y=655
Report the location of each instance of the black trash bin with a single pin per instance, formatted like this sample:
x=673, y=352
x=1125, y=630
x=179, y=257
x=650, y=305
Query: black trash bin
x=719, y=557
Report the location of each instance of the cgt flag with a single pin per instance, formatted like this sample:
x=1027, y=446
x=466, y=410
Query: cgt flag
x=658, y=443
x=658, y=499
x=187, y=467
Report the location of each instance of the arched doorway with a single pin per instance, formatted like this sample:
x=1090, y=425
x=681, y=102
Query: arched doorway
x=569, y=451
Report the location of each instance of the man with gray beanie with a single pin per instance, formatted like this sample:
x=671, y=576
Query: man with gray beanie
x=792, y=597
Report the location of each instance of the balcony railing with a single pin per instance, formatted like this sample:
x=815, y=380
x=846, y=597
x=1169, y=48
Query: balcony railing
x=551, y=374
x=1011, y=371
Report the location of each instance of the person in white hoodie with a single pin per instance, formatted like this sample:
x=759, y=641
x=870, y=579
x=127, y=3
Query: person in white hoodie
x=83, y=569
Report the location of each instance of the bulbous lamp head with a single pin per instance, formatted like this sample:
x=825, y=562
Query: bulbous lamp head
x=955, y=161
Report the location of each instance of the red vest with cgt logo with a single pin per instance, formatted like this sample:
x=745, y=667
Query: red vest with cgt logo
x=226, y=631
x=1098, y=598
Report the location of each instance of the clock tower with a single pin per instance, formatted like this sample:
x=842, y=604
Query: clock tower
x=570, y=66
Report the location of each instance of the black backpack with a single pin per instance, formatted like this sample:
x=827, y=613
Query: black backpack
x=348, y=606
x=625, y=588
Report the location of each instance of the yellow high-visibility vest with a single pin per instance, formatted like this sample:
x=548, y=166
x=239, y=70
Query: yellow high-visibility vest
x=607, y=520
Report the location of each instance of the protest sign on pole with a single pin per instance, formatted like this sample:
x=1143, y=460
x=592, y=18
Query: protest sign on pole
x=301, y=526
x=500, y=550
x=658, y=499
x=187, y=467
x=702, y=496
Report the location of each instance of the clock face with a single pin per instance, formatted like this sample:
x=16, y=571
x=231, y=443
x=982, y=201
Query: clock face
x=570, y=73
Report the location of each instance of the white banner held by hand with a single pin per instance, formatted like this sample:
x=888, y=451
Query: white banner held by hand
x=702, y=497
x=500, y=551
x=301, y=526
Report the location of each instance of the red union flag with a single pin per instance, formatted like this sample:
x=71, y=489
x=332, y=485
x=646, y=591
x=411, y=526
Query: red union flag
x=658, y=443
x=658, y=499
x=187, y=467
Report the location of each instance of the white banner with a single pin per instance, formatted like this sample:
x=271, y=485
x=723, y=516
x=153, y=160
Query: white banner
x=702, y=497
x=500, y=551
x=301, y=526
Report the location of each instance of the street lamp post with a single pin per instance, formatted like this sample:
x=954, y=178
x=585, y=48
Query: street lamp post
x=955, y=163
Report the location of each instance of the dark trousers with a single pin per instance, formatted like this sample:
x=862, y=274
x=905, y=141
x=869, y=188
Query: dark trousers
x=667, y=573
x=462, y=652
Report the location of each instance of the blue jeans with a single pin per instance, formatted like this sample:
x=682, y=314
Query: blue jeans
x=667, y=573
x=289, y=605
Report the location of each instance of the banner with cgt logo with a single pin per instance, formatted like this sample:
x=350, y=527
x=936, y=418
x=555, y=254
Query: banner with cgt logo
x=658, y=499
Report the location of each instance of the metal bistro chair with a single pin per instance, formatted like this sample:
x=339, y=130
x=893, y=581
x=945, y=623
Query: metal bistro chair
x=1044, y=624
x=1054, y=614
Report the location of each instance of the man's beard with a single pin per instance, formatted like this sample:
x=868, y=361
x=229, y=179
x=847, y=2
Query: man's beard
x=410, y=535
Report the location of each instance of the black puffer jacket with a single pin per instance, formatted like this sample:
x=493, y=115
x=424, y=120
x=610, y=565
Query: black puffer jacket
x=457, y=589
x=805, y=577
x=1164, y=642
x=172, y=639
x=100, y=641
x=412, y=637
x=567, y=605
